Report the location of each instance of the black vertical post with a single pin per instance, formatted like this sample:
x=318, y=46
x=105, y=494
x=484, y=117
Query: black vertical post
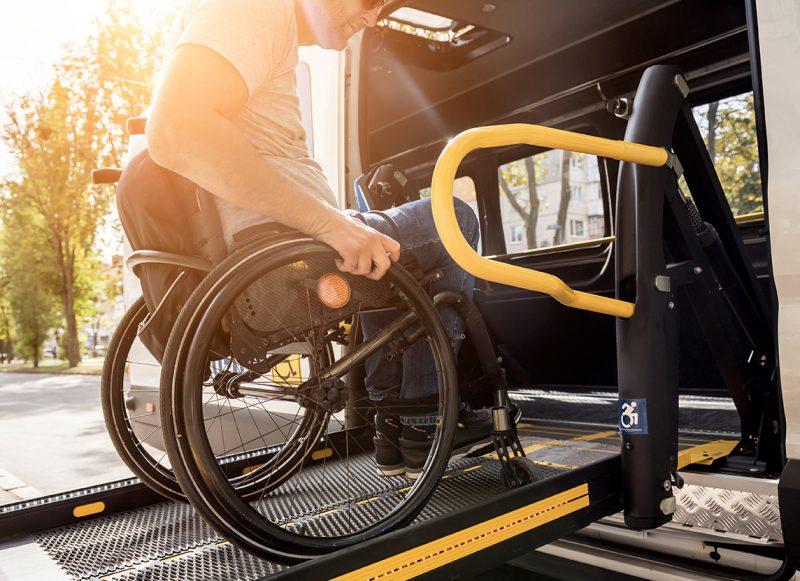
x=647, y=343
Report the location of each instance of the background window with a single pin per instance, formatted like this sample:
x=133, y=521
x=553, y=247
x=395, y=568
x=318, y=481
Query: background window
x=550, y=198
x=728, y=127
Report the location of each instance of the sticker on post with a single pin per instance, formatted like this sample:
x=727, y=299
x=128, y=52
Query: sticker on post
x=633, y=416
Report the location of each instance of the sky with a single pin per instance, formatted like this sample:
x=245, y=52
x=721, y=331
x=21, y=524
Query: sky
x=33, y=34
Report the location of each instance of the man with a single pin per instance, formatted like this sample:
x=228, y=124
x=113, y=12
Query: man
x=226, y=116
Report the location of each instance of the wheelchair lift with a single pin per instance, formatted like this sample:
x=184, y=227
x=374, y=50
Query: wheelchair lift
x=672, y=254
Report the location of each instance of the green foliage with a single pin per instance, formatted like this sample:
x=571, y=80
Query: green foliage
x=730, y=133
x=28, y=282
x=57, y=138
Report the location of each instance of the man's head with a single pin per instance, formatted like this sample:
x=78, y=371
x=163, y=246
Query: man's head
x=331, y=23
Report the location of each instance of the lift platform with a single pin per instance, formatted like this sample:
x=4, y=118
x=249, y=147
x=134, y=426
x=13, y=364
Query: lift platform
x=473, y=523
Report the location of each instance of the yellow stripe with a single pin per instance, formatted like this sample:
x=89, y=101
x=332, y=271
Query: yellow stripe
x=566, y=443
x=458, y=545
x=597, y=436
x=705, y=453
x=322, y=454
x=88, y=509
x=554, y=465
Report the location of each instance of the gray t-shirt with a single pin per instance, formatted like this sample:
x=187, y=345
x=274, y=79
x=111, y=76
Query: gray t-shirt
x=259, y=38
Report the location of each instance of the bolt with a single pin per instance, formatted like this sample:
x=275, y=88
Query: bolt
x=697, y=270
x=667, y=485
x=671, y=305
x=628, y=446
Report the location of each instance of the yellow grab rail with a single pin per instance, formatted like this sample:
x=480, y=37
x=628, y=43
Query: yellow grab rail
x=444, y=214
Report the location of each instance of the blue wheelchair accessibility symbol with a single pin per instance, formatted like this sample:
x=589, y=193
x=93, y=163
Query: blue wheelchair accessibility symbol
x=633, y=416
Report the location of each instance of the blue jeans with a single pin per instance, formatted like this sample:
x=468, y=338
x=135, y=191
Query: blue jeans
x=412, y=226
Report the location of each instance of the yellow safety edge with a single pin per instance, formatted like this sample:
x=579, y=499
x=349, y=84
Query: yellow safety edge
x=444, y=214
x=460, y=544
x=705, y=453
x=88, y=509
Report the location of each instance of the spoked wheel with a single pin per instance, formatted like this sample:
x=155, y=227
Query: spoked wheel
x=131, y=374
x=320, y=486
x=128, y=369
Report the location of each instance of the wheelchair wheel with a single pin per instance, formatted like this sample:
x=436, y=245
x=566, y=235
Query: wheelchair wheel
x=320, y=490
x=138, y=435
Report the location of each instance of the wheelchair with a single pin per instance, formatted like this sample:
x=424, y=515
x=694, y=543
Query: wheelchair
x=261, y=399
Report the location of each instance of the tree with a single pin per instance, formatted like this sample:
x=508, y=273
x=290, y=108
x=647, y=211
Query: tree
x=60, y=135
x=729, y=130
x=6, y=321
x=560, y=236
x=28, y=281
x=511, y=175
x=711, y=138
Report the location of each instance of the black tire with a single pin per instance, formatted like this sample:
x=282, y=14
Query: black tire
x=524, y=470
x=205, y=485
x=150, y=469
x=112, y=387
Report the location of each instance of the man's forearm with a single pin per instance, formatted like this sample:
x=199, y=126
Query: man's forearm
x=215, y=154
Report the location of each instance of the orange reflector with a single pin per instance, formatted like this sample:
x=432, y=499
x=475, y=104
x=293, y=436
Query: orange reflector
x=88, y=509
x=150, y=407
x=333, y=290
x=321, y=454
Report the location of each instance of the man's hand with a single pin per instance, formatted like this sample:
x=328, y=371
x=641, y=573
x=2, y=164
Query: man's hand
x=363, y=250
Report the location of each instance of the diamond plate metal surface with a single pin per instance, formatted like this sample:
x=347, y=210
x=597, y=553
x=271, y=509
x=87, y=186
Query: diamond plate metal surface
x=729, y=511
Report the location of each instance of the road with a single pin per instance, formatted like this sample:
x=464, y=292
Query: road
x=52, y=436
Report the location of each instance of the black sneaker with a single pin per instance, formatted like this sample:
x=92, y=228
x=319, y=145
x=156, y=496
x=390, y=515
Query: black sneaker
x=415, y=441
x=473, y=426
x=415, y=446
x=388, y=457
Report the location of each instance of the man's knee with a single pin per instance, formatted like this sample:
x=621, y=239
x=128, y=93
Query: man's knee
x=467, y=221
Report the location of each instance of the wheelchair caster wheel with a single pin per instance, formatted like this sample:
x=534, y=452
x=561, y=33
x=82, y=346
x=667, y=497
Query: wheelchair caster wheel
x=519, y=472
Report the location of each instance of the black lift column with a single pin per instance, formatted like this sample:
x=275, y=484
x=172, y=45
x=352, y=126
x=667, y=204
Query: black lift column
x=647, y=343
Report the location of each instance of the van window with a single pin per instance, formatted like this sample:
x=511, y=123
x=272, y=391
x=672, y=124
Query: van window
x=549, y=199
x=728, y=127
x=464, y=189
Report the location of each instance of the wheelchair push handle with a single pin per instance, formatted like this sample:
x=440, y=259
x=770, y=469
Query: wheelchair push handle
x=502, y=135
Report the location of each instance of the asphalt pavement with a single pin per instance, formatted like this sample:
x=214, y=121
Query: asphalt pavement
x=52, y=436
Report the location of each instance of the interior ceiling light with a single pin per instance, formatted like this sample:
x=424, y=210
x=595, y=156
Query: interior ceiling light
x=422, y=19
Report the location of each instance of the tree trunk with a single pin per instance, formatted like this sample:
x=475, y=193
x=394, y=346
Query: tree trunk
x=533, y=197
x=9, y=348
x=561, y=222
x=73, y=347
x=36, y=341
x=711, y=117
x=504, y=187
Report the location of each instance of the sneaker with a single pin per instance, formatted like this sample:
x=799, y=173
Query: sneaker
x=415, y=454
x=473, y=426
x=415, y=441
x=388, y=458
x=415, y=446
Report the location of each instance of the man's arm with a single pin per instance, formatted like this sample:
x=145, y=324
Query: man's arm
x=190, y=131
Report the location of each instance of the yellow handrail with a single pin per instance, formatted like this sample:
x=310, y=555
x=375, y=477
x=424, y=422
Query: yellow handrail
x=444, y=214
